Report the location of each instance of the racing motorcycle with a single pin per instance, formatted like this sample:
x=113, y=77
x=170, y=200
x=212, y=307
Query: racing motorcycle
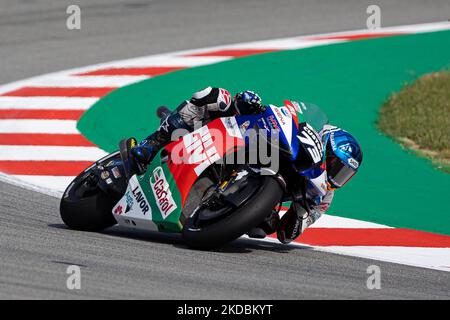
x=191, y=187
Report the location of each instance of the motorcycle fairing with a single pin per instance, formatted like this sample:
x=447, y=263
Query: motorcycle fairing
x=134, y=210
x=317, y=119
x=173, y=171
x=282, y=120
x=196, y=151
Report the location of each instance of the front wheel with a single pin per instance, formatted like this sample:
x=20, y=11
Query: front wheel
x=85, y=207
x=248, y=215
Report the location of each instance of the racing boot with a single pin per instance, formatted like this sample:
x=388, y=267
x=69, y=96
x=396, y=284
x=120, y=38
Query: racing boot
x=144, y=153
x=146, y=150
x=294, y=222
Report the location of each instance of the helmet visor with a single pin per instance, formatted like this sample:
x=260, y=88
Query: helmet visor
x=338, y=172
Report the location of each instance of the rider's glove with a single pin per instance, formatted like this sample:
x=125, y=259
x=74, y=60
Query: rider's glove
x=248, y=102
x=251, y=98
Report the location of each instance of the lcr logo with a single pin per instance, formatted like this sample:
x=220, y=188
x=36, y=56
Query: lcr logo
x=201, y=149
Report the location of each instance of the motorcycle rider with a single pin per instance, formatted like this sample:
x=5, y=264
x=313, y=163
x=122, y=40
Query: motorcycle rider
x=342, y=158
x=204, y=106
x=342, y=154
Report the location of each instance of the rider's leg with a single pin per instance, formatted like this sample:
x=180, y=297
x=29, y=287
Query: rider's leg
x=145, y=151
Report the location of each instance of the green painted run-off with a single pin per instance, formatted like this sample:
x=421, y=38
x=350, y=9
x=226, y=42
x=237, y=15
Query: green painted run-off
x=349, y=81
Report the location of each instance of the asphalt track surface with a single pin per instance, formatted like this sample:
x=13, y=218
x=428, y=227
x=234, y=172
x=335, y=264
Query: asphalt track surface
x=36, y=248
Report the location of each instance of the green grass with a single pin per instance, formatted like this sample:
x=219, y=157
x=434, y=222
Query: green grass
x=419, y=118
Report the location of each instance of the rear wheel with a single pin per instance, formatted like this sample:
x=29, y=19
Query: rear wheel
x=213, y=233
x=85, y=207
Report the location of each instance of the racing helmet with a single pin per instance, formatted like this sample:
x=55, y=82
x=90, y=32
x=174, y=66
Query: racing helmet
x=343, y=156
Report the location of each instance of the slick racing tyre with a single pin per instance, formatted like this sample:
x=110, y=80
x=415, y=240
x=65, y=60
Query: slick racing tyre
x=251, y=213
x=85, y=207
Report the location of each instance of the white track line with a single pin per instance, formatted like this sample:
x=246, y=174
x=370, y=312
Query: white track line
x=283, y=44
x=50, y=153
x=51, y=185
x=88, y=81
x=430, y=258
x=34, y=183
x=38, y=126
x=327, y=221
x=55, y=103
x=169, y=60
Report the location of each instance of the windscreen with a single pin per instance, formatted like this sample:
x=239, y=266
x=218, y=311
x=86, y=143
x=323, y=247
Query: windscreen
x=313, y=115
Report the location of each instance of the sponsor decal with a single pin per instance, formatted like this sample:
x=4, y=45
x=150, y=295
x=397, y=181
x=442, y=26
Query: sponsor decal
x=129, y=200
x=280, y=115
x=228, y=123
x=289, y=105
x=286, y=112
x=118, y=210
x=232, y=127
x=353, y=163
x=346, y=148
x=104, y=175
x=116, y=172
x=263, y=123
x=140, y=199
x=273, y=123
x=201, y=149
x=245, y=125
x=310, y=139
x=161, y=191
x=297, y=106
x=292, y=110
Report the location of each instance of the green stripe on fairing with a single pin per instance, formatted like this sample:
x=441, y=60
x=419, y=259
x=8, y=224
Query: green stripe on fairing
x=349, y=81
x=172, y=222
